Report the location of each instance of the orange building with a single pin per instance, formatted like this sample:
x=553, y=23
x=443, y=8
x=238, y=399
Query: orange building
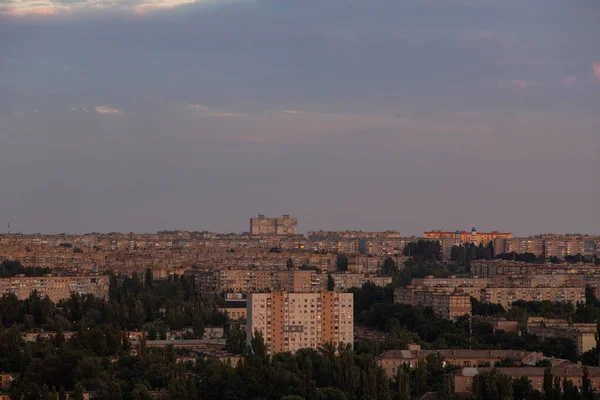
x=292, y=321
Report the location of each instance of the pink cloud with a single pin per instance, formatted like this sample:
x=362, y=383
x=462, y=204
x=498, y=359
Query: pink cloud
x=517, y=84
x=596, y=66
x=108, y=110
x=569, y=80
x=50, y=10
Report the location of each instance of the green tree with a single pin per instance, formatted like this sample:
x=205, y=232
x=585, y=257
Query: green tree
x=587, y=390
x=403, y=383
x=522, y=388
x=78, y=391
x=236, y=339
x=547, y=384
x=448, y=393
x=570, y=391
x=389, y=267
x=420, y=378
x=45, y=392
x=148, y=278
x=62, y=395
x=341, y=262
x=330, y=283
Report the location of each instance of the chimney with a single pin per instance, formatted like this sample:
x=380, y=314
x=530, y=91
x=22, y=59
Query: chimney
x=490, y=352
x=453, y=352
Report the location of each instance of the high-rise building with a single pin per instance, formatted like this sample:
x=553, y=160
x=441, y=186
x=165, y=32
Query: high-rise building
x=284, y=225
x=292, y=321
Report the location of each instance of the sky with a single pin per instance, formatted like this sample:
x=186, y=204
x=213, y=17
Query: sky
x=144, y=115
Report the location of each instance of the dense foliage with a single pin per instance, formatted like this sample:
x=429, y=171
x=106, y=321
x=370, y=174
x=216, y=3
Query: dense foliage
x=8, y=269
x=404, y=324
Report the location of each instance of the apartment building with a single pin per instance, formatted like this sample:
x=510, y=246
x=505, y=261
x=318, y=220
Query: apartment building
x=449, y=305
x=343, y=282
x=463, y=380
x=490, y=268
x=284, y=225
x=55, y=287
x=235, y=306
x=353, y=234
x=392, y=360
x=523, y=245
x=503, y=289
x=473, y=236
x=291, y=321
x=550, y=245
x=506, y=296
x=584, y=335
x=256, y=280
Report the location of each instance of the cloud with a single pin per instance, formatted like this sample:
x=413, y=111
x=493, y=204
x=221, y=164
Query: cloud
x=596, y=66
x=569, y=80
x=213, y=112
x=517, y=84
x=23, y=8
x=108, y=110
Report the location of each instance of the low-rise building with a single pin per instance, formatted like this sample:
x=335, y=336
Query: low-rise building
x=392, y=360
x=584, y=335
x=463, y=380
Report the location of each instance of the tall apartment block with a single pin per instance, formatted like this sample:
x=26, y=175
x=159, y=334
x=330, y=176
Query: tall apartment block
x=284, y=225
x=292, y=321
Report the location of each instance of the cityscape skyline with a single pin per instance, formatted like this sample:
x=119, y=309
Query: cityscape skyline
x=299, y=199
x=303, y=231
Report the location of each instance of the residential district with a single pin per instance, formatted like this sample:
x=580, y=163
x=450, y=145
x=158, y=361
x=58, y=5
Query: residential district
x=274, y=314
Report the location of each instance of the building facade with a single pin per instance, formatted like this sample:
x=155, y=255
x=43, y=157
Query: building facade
x=55, y=287
x=449, y=305
x=292, y=321
x=284, y=225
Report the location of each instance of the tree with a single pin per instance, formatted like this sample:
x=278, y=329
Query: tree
x=330, y=283
x=236, y=339
x=570, y=392
x=522, y=388
x=547, y=385
x=341, y=262
x=403, y=382
x=420, y=378
x=258, y=347
x=45, y=392
x=448, y=392
x=556, y=389
x=492, y=386
x=148, y=278
x=78, y=392
x=289, y=264
x=424, y=250
x=62, y=395
x=587, y=391
x=389, y=267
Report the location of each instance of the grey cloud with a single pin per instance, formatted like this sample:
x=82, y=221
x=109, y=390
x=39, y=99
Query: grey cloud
x=402, y=122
